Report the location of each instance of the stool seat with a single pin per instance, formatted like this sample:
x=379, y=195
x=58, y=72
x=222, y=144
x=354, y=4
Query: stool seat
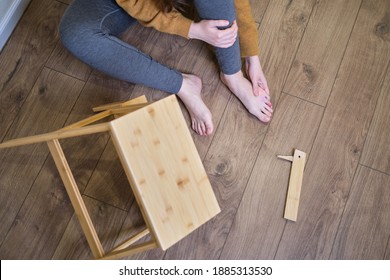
x=161, y=163
x=164, y=169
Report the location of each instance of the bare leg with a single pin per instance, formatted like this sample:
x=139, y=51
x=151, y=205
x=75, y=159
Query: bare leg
x=190, y=94
x=259, y=106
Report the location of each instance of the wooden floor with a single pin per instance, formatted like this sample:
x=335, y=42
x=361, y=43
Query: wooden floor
x=327, y=64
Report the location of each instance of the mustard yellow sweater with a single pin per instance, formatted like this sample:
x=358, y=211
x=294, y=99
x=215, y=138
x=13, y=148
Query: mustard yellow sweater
x=148, y=14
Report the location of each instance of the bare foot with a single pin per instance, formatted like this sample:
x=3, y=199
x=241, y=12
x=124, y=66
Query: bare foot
x=190, y=94
x=259, y=106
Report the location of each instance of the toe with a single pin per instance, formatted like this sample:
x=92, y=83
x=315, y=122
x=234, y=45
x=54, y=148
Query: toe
x=268, y=108
x=193, y=125
x=264, y=118
x=203, y=128
x=209, y=129
x=199, y=129
x=266, y=105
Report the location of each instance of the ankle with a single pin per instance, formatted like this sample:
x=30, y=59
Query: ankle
x=190, y=83
x=234, y=82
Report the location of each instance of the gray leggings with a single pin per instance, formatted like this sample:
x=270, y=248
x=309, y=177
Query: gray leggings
x=89, y=30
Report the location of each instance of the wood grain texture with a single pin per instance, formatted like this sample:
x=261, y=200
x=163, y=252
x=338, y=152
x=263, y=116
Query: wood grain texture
x=24, y=55
x=166, y=174
x=376, y=151
x=258, y=9
x=340, y=139
x=258, y=225
x=109, y=182
x=387, y=254
x=63, y=61
x=295, y=185
x=365, y=227
x=75, y=197
x=107, y=221
x=133, y=223
x=280, y=33
x=47, y=93
x=321, y=50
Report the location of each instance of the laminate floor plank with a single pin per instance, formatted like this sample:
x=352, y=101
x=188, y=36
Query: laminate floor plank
x=25, y=202
x=376, y=152
x=365, y=226
x=107, y=221
x=387, y=254
x=340, y=139
x=259, y=223
x=24, y=56
x=63, y=61
x=321, y=50
x=280, y=34
x=258, y=9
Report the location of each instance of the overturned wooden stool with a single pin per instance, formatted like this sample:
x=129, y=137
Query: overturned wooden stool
x=161, y=162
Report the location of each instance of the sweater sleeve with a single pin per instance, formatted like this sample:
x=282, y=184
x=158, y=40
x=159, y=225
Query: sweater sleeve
x=148, y=14
x=247, y=31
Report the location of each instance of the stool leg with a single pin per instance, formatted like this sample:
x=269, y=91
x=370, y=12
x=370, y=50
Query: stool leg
x=75, y=197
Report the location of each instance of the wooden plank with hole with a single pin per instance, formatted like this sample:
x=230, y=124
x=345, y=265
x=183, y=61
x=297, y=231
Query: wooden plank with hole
x=295, y=185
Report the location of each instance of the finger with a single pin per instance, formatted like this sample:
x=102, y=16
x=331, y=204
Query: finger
x=263, y=84
x=227, y=40
x=220, y=23
x=232, y=30
x=256, y=90
x=225, y=45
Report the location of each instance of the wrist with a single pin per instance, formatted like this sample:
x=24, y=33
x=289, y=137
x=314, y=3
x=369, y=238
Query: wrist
x=193, y=32
x=252, y=59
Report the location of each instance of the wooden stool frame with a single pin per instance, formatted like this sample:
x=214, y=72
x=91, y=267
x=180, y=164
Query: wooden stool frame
x=84, y=127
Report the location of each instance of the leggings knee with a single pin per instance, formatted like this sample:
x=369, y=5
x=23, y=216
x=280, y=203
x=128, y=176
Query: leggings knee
x=78, y=38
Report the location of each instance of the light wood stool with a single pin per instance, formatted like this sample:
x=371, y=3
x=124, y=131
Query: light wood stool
x=161, y=162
